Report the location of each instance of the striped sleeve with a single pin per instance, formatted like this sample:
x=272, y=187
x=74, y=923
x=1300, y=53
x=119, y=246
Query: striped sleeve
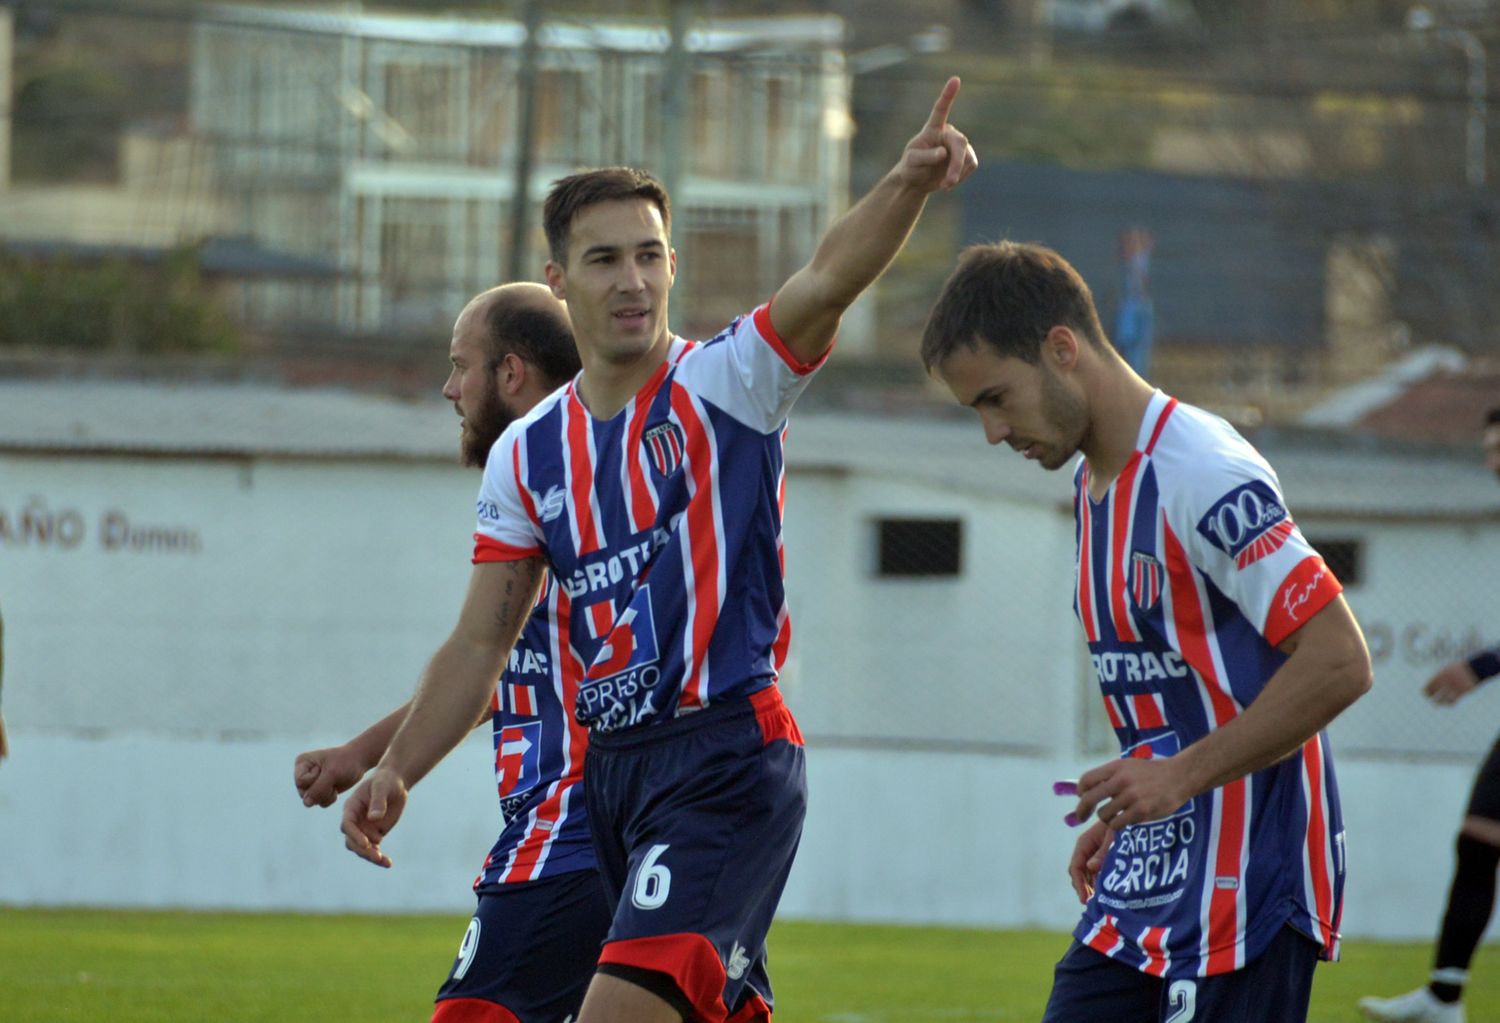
x=508, y=528
x=1236, y=528
x=749, y=372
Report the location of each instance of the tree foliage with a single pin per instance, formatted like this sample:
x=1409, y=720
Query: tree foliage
x=117, y=305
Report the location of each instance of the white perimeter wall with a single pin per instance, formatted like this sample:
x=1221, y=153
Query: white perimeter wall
x=156, y=698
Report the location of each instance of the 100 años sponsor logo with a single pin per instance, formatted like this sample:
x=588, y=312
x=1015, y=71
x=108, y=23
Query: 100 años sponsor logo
x=35, y=524
x=1247, y=523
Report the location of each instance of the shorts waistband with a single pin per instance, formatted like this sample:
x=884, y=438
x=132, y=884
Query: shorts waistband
x=728, y=710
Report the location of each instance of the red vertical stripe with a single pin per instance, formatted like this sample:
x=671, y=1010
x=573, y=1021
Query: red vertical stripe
x=1192, y=637
x=1317, y=842
x=1154, y=945
x=521, y=488
x=1147, y=709
x=703, y=547
x=1106, y=938
x=783, y=642
x=1119, y=550
x=1086, y=561
x=641, y=498
x=1115, y=719
x=1166, y=414
x=581, y=473
x=527, y=857
x=601, y=618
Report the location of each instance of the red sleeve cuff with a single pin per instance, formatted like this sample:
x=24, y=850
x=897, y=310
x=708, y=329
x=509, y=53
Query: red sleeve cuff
x=1307, y=589
x=763, y=326
x=487, y=548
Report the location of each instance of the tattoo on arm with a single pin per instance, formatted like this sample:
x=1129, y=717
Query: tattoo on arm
x=504, y=609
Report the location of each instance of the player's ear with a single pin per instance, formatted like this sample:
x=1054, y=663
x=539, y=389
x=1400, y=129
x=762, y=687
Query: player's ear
x=1061, y=347
x=510, y=375
x=556, y=280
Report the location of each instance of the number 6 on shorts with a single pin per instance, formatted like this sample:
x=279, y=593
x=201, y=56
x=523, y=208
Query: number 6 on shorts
x=653, y=881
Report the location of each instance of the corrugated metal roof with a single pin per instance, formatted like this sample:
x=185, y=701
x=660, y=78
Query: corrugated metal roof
x=579, y=32
x=1324, y=476
x=220, y=420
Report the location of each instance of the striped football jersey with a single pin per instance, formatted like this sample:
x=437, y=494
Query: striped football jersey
x=661, y=525
x=1190, y=572
x=539, y=753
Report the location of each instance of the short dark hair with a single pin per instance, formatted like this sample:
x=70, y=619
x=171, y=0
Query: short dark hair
x=541, y=336
x=572, y=194
x=1008, y=295
x=1492, y=417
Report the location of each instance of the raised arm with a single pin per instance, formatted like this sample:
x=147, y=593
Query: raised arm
x=453, y=692
x=862, y=242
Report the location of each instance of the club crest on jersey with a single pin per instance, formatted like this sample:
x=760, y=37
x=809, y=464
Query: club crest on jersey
x=664, y=446
x=1145, y=580
x=518, y=755
x=1247, y=523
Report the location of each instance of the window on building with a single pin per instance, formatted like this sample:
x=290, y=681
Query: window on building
x=719, y=258
x=560, y=100
x=414, y=251
x=421, y=101
x=1344, y=557
x=918, y=548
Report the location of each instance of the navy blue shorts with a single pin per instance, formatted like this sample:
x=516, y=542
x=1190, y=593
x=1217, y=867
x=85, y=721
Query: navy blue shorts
x=1089, y=986
x=529, y=952
x=696, y=823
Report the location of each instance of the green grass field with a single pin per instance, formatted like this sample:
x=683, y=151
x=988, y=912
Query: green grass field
x=130, y=967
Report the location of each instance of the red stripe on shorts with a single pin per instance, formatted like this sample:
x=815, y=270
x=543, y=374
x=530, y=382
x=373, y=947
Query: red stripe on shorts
x=775, y=718
x=471, y=1010
x=689, y=959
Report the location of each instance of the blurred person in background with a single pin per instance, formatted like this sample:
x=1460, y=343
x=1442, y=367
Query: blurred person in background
x=1471, y=898
x=530, y=949
x=652, y=486
x=1212, y=878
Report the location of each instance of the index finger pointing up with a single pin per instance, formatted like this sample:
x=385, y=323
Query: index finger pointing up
x=939, y=116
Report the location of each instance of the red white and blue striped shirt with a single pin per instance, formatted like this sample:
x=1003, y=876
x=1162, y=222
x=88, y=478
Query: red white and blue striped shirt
x=1190, y=572
x=539, y=751
x=662, y=525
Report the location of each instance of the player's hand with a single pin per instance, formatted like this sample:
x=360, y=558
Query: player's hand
x=1088, y=857
x=939, y=156
x=370, y=813
x=4, y=743
x=1129, y=791
x=1452, y=682
x=322, y=775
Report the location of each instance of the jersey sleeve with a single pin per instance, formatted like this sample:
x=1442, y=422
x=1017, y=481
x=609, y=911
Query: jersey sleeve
x=1234, y=523
x=749, y=372
x=508, y=528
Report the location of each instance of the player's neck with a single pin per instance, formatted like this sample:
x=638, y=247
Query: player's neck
x=606, y=386
x=1116, y=411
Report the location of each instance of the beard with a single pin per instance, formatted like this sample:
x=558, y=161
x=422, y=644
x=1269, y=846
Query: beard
x=1067, y=416
x=482, y=427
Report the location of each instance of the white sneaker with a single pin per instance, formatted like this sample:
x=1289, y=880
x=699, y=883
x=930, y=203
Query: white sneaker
x=1419, y=1006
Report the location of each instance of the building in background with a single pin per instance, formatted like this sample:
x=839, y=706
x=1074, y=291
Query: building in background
x=201, y=581
x=391, y=144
